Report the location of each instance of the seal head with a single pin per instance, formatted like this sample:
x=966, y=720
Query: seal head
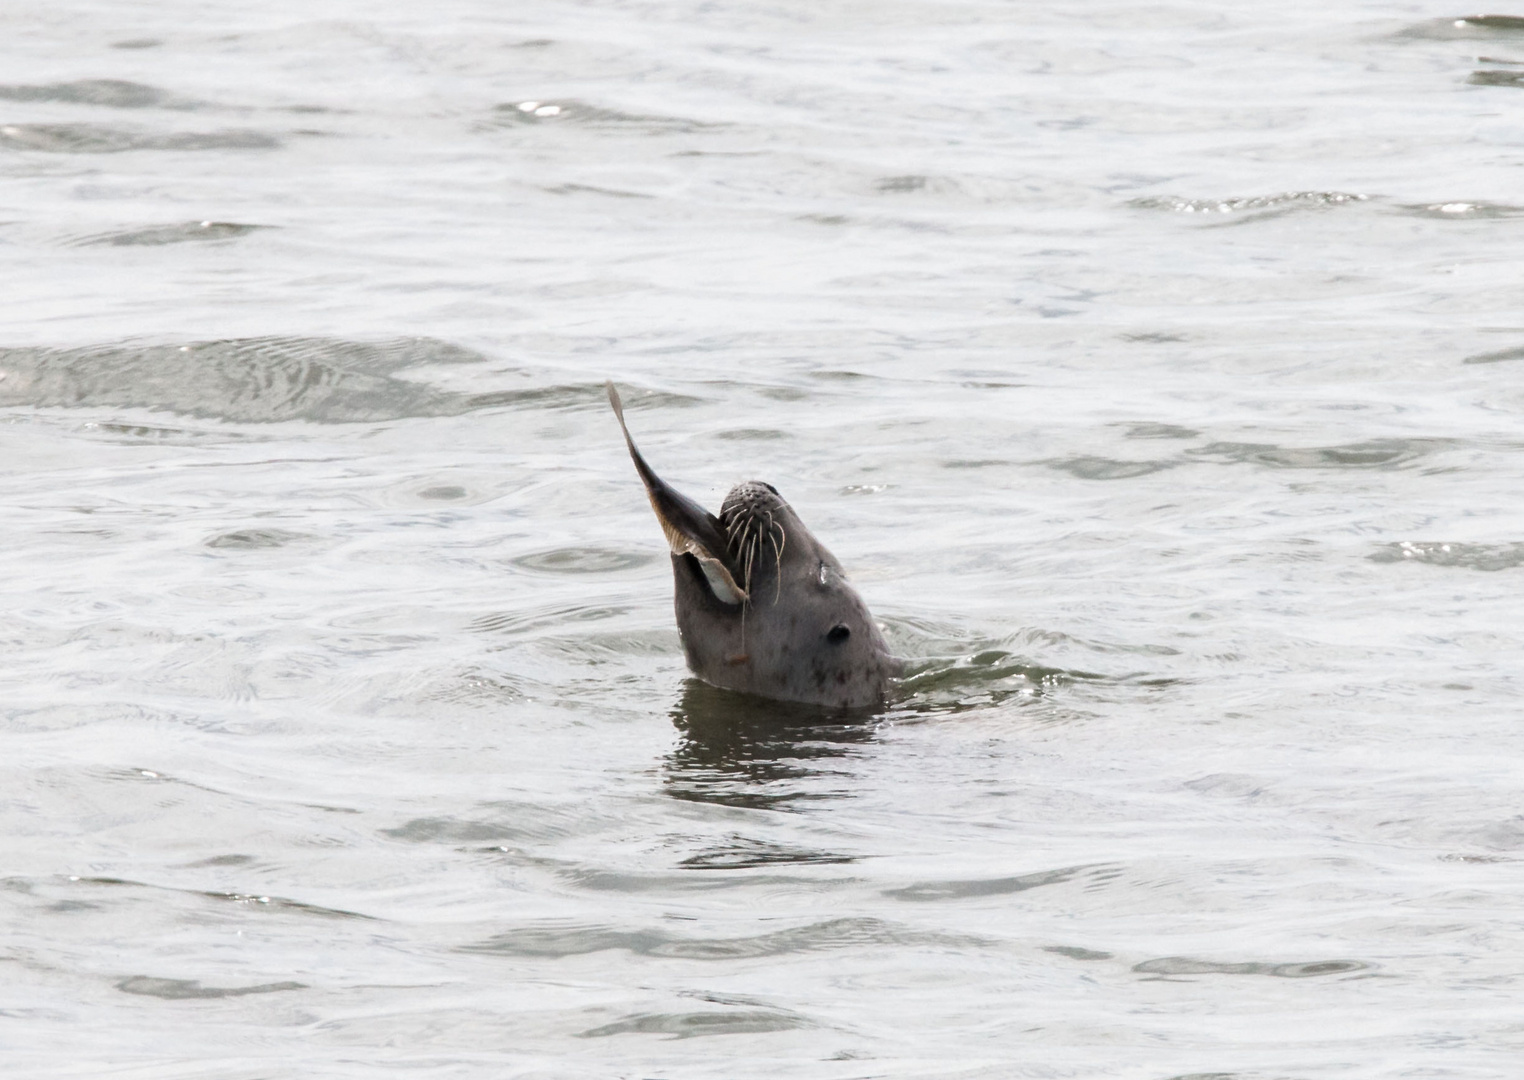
x=762, y=606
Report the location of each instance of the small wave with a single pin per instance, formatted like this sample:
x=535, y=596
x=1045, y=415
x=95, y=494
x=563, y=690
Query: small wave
x=1502, y=356
x=185, y=989
x=987, y=667
x=1100, y=468
x=110, y=139
x=949, y=671
x=532, y=623
x=693, y=1025
x=160, y=235
x=543, y=397
x=962, y=890
x=1075, y=952
x=1160, y=431
x=556, y=939
x=153, y=435
x=255, y=539
x=249, y=380
x=1462, y=211
x=582, y=560
x=1184, y=965
x=257, y=901
x=593, y=189
x=1467, y=556
x=115, y=93
x=1371, y=454
x=1250, y=208
x=580, y=114
x=501, y=823
x=912, y=183
x=1467, y=28
x=1496, y=77
x=743, y=853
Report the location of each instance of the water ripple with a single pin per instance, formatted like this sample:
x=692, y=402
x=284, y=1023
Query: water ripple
x=250, y=380
x=693, y=1025
x=1460, y=210
x=1308, y=969
x=1003, y=886
x=161, y=235
x=1252, y=207
x=83, y=138
x=580, y=114
x=1467, y=556
x=115, y=93
x=188, y=989
x=1370, y=454
x=1501, y=356
x=1496, y=77
x=557, y=940
x=1468, y=28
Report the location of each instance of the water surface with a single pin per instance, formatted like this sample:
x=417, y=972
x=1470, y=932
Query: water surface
x=1153, y=368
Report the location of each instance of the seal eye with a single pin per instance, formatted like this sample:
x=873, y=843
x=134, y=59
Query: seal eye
x=838, y=634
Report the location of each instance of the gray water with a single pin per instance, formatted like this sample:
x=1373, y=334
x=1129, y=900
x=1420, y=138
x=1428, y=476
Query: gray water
x=1152, y=368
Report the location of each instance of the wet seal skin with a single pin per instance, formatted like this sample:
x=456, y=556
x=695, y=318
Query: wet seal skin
x=762, y=606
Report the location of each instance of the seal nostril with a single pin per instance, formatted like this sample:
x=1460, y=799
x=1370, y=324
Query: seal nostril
x=838, y=634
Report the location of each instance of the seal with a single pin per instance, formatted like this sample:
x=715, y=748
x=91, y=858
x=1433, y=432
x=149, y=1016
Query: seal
x=762, y=607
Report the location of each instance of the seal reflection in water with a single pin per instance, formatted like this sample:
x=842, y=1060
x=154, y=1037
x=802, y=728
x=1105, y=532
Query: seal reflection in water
x=762, y=606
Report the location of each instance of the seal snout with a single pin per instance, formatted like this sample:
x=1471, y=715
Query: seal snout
x=749, y=499
x=752, y=517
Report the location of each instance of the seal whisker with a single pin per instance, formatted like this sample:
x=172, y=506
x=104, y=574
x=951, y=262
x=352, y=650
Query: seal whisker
x=779, y=536
x=751, y=557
